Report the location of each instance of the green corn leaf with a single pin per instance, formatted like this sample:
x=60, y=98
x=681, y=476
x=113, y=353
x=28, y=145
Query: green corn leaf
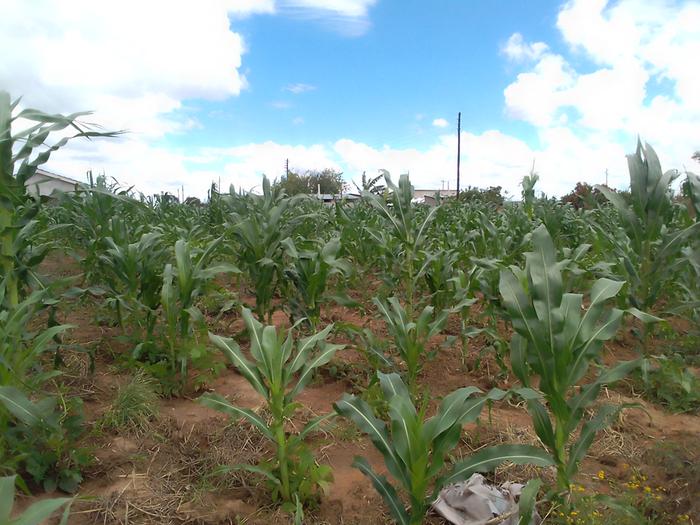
x=7, y=483
x=245, y=367
x=603, y=417
x=220, y=404
x=453, y=408
x=20, y=406
x=324, y=355
x=541, y=422
x=361, y=414
x=489, y=458
x=305, y=346
x=528, y=500
x=385, y=489
x=693, y=182
x=40, y=511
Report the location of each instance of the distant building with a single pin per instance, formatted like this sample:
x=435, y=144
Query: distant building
x=330, y=198
x=46, y=183
x=430, y=196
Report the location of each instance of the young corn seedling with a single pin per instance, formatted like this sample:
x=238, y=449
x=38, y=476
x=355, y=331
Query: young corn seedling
x=556, y=339
x=411, y=336
x=279, y=372
x=134, y=277
x=414, y=447
x=182, y=287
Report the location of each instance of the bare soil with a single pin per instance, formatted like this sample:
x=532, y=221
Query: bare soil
x=168, y=474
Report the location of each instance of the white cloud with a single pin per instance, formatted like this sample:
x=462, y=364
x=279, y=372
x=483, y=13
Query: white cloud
x=126, y=60
x=635, y=46
x=518, y=50
x=299, y=88
x=297, y=121
x=440, y=123
x=244, y=8
x=348, y=17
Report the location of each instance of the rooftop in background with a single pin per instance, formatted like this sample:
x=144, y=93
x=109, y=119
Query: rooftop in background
x=46, y=183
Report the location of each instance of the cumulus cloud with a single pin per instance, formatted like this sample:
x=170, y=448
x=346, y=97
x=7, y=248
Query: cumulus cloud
x=440, y=123
x=518, y=50
x=123, y=59
x=634, y=46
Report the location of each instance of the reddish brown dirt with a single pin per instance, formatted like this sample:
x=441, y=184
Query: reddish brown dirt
x=162, y=466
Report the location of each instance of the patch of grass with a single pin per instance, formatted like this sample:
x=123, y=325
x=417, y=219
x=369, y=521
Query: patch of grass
x=134, y=406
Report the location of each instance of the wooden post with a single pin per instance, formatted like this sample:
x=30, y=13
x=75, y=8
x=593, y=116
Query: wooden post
x=459, y=144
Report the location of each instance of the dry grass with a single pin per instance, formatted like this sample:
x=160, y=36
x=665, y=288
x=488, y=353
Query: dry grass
x=180, y=474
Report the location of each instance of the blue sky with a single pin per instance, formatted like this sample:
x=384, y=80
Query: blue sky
x=412, y=65
x=230, y=89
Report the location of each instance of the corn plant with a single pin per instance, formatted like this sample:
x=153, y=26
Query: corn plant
x=411, y=336
x=280, y=371
x=21, y=153
x=415, y=447
x=259, y=226
x=649, y=247
x=528, y=183
x=407, y=227
x=133, y=274
x=20, y=348
x=556, y=339
x=183, y=321
x=309, y=275
x=36, y=514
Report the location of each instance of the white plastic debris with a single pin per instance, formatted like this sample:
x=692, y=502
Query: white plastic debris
x=474, y=502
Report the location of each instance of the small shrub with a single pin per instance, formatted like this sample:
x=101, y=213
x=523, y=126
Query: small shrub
x=670, y=383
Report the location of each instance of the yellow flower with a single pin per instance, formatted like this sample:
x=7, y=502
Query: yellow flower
x=601, y=474
x=647, y=489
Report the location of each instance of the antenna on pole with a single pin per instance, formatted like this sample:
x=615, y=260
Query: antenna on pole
x=459, y=144
x=606, y=177
x=286, y=168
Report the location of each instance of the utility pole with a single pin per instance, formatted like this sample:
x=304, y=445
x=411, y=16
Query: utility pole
x=286, y=168
x=459, y=144
x=606, y=178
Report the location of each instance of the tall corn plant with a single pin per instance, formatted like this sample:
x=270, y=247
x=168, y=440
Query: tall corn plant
x=279, y=372
x=260, y=227
x=415, y=447
x=555, y=342
x=650, y=251
x=21, y=153
x=407, y=227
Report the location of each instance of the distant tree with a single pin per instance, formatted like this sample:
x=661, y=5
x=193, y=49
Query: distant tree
x=370, y=184
x=490, y=195
x=584, y=196
x=331, y=181
x=696, y=156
